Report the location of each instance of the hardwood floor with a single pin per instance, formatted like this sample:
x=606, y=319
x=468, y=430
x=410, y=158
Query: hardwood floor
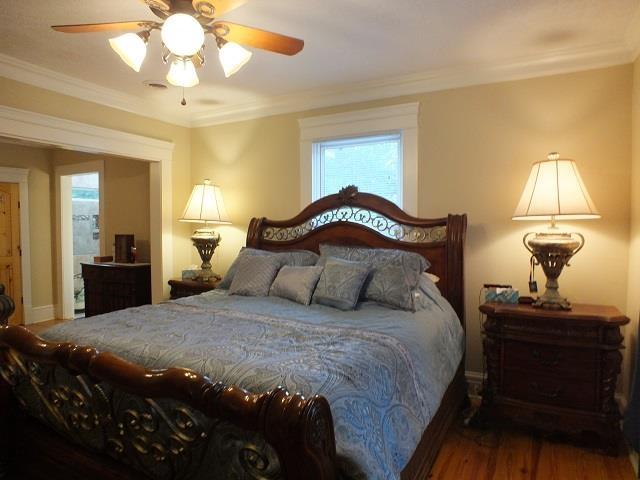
x=504, y=454
x=42, y=326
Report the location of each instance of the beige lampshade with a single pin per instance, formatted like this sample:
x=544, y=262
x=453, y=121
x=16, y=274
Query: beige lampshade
x=554, y=191
x=205, y=205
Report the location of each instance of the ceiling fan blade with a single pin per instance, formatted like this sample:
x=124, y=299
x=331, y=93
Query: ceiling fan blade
x=215, y=8
x=254, y=37
x=105, y=27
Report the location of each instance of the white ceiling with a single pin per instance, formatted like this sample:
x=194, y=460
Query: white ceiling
x=354, y=50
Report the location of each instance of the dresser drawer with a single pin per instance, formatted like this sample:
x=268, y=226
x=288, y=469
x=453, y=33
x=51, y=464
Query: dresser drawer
x=574, y=363
x=535, y=388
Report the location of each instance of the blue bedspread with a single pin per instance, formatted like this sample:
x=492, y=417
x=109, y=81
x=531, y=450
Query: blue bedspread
x=383, y=371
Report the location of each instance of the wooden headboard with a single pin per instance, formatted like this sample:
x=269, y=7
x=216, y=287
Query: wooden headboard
x=363, y=219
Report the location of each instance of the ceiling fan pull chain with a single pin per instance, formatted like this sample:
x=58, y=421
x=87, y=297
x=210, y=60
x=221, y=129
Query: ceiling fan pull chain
x=183, y=102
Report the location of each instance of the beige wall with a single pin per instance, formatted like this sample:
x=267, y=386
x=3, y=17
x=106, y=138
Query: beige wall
x=633, y=303
x=38, y=161
x=18, y=95
x=475, y=151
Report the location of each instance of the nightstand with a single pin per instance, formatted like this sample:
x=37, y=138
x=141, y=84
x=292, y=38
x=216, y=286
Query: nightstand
x=554, y=370
x=186, y=288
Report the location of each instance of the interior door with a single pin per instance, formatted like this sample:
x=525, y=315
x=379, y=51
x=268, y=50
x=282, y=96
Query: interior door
x=10, y=272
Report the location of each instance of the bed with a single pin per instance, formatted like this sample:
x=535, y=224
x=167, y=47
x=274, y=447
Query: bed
x=376, y=389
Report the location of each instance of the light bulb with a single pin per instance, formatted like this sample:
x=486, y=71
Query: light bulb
x=233, y=57
x=182, y=73
x=132, y=49
x=182, y=34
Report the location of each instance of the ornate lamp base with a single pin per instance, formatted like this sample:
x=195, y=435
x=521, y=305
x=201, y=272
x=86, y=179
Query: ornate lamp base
x=206, y=240
x=553, y=251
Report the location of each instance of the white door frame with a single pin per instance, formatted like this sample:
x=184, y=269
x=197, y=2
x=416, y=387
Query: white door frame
x=84, y=137
x=21, y=177
x=64, y=229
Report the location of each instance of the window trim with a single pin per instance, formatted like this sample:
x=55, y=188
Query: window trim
x=359, y=123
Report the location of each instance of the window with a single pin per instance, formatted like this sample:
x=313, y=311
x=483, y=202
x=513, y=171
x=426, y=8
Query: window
x=375, y=149
x=372, y=163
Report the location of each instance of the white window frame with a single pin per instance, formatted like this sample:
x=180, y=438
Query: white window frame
x=360, y=123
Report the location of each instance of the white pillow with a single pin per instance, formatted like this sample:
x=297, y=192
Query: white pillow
x=432, y=277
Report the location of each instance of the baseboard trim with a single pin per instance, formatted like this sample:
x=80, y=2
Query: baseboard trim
x=40, y=314
x=474, y=384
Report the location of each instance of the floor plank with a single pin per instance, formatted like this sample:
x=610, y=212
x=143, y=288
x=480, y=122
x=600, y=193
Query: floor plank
x=40, y=327
x=506, y=454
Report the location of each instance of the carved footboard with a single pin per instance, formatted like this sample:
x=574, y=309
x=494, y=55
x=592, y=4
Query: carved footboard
x=167, y=424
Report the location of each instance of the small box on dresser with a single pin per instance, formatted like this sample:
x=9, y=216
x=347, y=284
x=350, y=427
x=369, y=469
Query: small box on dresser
x=554, y=370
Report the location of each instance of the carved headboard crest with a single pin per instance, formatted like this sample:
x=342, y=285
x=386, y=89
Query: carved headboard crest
x=348, y=194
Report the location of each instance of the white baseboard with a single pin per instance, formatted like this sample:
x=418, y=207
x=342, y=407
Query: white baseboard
x=40, y=314
x=474, y=383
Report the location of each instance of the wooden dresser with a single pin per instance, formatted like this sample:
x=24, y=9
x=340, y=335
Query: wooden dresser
x=554, y=370
x=115, y=286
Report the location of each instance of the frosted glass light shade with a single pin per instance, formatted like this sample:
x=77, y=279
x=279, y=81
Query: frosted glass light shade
x=182, y=35
x=233, y=57
x=553, y=191
x=182, y=73
x=205, y=205
x=131, y=48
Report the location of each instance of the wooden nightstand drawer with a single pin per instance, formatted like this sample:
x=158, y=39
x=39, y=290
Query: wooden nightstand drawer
x=567, y=362
x=549, y=390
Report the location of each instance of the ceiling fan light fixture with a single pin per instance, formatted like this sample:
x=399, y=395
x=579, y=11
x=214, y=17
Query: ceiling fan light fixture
x=232, y=57
x=182, y=73
x=131, y=47
x=182, y=34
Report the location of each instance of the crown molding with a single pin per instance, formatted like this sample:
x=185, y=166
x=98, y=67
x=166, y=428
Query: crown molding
x=25, y=72
x=552, y=63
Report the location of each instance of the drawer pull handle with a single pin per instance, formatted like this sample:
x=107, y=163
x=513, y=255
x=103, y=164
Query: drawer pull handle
x=551, y=395
x=547, y=362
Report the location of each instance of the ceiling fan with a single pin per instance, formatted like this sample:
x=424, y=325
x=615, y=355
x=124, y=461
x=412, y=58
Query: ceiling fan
x=183, y=27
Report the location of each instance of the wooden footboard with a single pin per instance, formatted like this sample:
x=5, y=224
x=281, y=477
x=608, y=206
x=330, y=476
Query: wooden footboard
x=162, y=423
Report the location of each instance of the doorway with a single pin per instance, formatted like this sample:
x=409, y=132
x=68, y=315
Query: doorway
x=85, y=225
x=80, y=223
x=10, y=248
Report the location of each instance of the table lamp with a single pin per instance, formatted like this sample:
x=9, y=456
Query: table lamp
x=554, y=191
x=206, y=205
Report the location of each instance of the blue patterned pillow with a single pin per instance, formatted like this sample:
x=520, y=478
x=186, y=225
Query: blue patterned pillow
x=340, y=283
x=295, y=258
x=296, y=283
x=254, y=275
x=394, y=273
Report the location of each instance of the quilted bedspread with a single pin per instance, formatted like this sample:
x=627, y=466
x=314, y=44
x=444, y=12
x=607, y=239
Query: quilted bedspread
x=383, y=371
